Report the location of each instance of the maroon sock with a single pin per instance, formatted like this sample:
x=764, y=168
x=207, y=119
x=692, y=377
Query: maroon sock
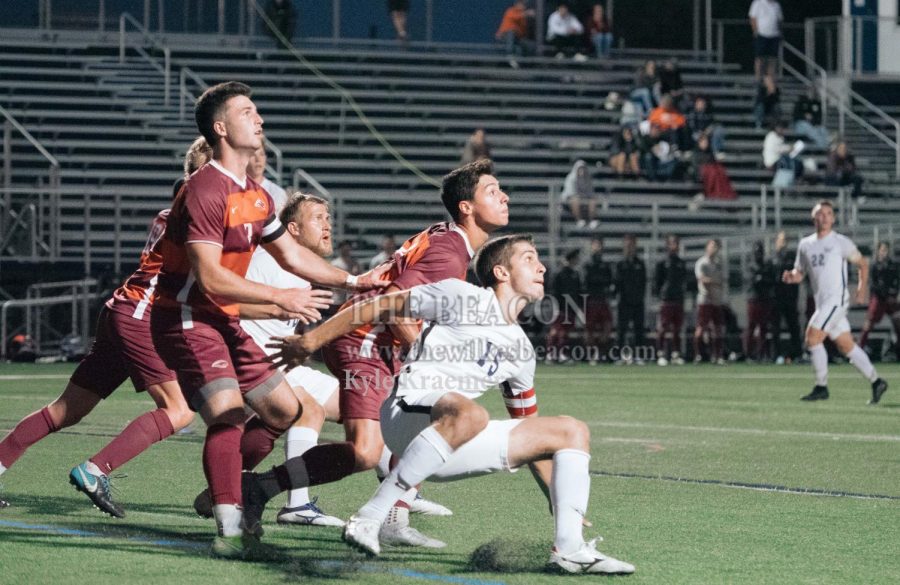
x=222, y=463
x=257, y=442
x=151, y=427
x=29, y=431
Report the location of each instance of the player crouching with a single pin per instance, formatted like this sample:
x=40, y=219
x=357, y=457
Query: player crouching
x=470, y=342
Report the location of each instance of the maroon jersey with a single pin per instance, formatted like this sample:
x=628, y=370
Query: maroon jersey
x=213, y=207
x=136, y=293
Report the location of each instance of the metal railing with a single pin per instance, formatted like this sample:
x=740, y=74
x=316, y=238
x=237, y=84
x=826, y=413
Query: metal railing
x=78, y=294
x=844, y=36
x=184, y=94
x=165, y=68
x=844, y=104
x=31, y=216
x=337, y=204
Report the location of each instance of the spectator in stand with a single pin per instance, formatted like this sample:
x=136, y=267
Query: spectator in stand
x=567, y=293
x=476, y=147
x=710, y=288
x=625, y=157
x=657, y=156
x=284, y=17
x=670, y=83
x=514, y=30
x=760, y=303
x=598, y=285
x=630, y=286
x=565, y=33
x=600, y=31
x=670, y=280
x=774, y=145
x=700, y=121
x=671, y=123
x=711, y=173
x=578, y=193
x=841, y=170
x=785, y=307
x=388, y=247
x=885, y=284
x=765, y=22
x=399, y=9
x=345, y=261
x=767, y=107
x=808, y=119
x=645, y=86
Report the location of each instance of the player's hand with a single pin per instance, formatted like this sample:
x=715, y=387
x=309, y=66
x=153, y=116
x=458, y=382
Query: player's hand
x=375, y=278
x=860, y=297
x=788, y=277
x=303, y=303
x=294, y=350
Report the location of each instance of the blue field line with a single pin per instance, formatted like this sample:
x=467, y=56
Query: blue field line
x=442, y=578
x=86, y=534
x=764, y=487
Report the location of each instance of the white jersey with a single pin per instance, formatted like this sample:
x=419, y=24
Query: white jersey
x=709, y=293
x=824, y=260
x=279, y=195
x=265, y=269
x=465, y=346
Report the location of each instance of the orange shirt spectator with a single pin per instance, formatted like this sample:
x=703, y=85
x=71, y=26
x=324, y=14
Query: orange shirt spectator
x=667, y=117
x=515, y=20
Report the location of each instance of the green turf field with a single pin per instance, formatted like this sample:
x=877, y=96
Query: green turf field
x=703, y=474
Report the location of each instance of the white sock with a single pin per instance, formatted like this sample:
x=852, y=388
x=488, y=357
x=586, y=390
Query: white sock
x=2, y=469
x=384, y=464
x=228, y=519
x=569, y=491
x=424, y=456
x=397, y=516
x=862, y=362
x=299, y=440
x=93, y=468
x=819, y=358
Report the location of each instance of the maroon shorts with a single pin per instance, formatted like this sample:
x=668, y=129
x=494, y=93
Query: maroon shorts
x=710, y=317
x=879, y=307
x=122, y=349
x=211, y=354
x=597, y=316
x=759, y=313
x=365, y=382
x=671, y=315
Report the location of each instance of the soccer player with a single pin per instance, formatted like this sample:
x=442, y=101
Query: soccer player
x=760, y=303
x=710, y=286
x=598, y=284
x=122, y=349
x=885, y=285
x=256, y=170
x=823, y=256
x=631, y=284
x=432, y=416
x=786, y=296
x=670, y=284
x=567, y=289
x=217, y=221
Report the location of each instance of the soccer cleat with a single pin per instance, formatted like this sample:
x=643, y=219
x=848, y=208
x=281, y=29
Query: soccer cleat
x=4, y=503
x=307, y=515
x=422, y=506
x=203, y=504
x=362, y=534
x=255, y=501
x=227, y=547
x=677, y=359
x=818, y=393
x=97, y=488
x=879, y=387
x=588, y=559
x=405, y=535
x=661, y=361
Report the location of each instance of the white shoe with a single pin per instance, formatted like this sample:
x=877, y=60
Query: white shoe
x=579, y=58
x=594, y=224
x=307, y=515
x=661, y=361
x=720, y=362
x=580, y=223
x=560, y=55
x=362, y=533
x=398, y=535
x=588, y=559
x=428, y=508
x=677, y=360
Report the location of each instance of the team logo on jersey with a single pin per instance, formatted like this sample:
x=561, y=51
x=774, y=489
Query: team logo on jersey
x=827, y=250
x=221, y=364
x=259, y=204
x=234, y=209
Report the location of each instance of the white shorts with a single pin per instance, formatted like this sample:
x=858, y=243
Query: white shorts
x=318, y=385
x=831, y=317
x=487, y=452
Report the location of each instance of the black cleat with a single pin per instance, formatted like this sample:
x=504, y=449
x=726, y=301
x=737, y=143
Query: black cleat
x=818, y=393
x=255, y=500
x=97, y=488
x=4, y=503
x=879, y=387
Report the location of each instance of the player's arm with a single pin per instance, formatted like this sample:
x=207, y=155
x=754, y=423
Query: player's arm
x=794, y=276
x=217, y=281
x=308, y=265
x=270, y=311
x=405, y=330
x=296, y=349
x=862, y=264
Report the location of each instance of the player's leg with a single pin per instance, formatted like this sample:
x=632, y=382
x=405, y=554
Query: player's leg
x=702, y=325
x=818, y=356
x=874, y=314
x=860, y=360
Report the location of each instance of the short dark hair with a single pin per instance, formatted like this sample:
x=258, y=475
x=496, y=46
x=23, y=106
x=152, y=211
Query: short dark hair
x=209, y=106
x=497, y=252
x=459, y=185
x=294, y=201
x=573, y=255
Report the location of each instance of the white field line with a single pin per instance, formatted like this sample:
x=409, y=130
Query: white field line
x=14, y=377
x=749, y=431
